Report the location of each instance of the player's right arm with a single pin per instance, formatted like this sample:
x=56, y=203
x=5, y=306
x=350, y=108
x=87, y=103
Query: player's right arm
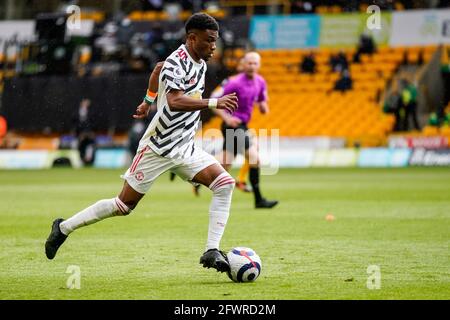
x=144, y=108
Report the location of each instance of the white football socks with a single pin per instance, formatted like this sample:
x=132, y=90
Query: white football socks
x=98, y=211
x=219, y=209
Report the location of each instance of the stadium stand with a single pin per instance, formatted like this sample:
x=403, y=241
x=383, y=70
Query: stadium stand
x=301, y=104
x=305, y=105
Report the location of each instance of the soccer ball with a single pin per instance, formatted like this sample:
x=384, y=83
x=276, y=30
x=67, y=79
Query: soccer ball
x=245, y=264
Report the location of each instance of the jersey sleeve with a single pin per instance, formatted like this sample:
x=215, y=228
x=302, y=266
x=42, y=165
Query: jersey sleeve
x=173, y=75
x=263, y=96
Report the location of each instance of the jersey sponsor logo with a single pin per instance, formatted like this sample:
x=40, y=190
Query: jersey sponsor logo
x=182, y=54
x=195, y=94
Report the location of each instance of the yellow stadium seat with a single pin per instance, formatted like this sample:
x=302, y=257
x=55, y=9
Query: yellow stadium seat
x=430, y=131
x=38, y=143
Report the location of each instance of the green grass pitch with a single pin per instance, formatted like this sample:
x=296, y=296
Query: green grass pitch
x=396, y=219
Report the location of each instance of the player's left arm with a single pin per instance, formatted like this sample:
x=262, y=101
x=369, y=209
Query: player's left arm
x=263, y=99
x=144, y=108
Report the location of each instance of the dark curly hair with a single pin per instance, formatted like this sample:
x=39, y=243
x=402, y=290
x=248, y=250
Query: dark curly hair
x=201, y=21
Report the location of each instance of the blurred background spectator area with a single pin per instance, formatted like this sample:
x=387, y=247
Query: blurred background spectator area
x=327, y=74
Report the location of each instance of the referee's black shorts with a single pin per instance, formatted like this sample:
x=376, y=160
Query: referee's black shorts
x=236, y=140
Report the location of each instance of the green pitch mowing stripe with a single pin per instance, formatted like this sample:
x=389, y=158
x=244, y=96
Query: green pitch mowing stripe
x=394, y=219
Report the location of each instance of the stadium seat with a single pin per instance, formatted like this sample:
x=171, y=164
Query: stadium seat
x=38, y=143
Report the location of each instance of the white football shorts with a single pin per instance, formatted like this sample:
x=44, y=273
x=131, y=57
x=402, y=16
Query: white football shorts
x=147, y=166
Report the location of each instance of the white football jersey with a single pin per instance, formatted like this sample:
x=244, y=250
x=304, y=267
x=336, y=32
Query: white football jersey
x=171, y=133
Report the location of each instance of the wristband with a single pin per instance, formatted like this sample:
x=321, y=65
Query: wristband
x=150, y=97
x=148, y=100
x=212, y=103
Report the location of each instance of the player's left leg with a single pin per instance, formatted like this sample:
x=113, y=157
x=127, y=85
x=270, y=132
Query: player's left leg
x=225, y=158
x=221, y=184
x=203, y=168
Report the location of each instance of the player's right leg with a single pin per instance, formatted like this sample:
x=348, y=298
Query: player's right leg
x=146, y=167
x=106, y=208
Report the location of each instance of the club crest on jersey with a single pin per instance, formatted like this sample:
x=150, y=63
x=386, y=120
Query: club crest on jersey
x=192, y=81
x=139, y=176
